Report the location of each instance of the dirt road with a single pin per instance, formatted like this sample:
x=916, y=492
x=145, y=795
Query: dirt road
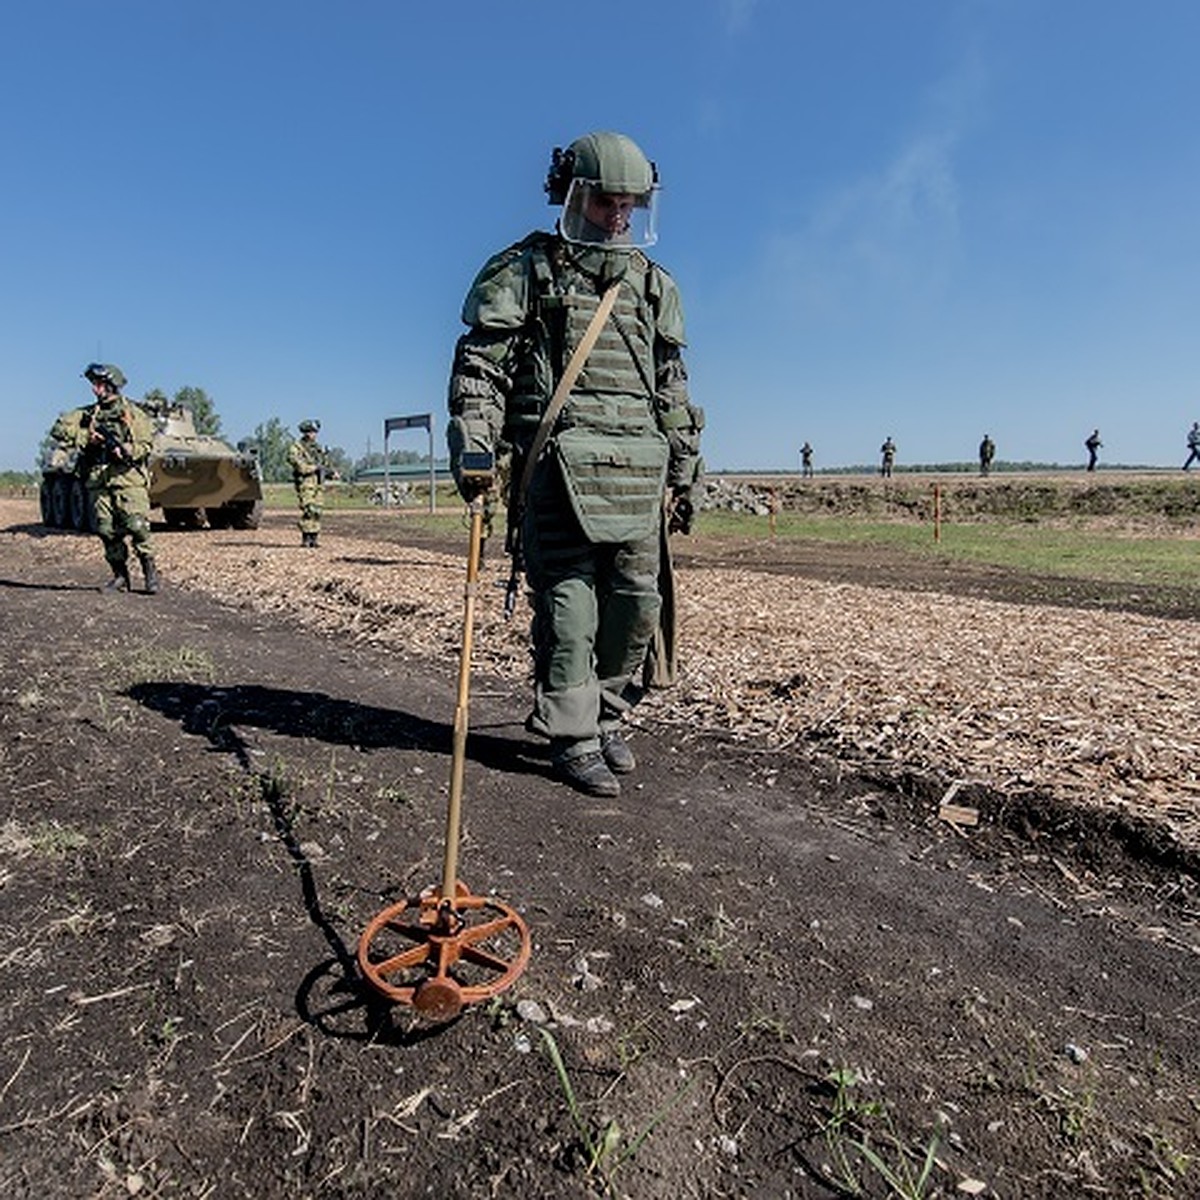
x=758, y=964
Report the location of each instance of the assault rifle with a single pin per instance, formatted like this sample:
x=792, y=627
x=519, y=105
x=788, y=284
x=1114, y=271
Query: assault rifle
x=105, y=444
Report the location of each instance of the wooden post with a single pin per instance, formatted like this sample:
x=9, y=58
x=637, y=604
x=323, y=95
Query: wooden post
x=937, y=512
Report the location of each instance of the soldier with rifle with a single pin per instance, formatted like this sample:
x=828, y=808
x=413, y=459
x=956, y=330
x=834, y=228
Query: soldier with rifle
x=572, y=368
x=310, y=468
x=113, y=437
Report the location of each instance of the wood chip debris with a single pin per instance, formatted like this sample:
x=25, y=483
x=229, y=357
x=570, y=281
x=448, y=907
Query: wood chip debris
x=1097, y=709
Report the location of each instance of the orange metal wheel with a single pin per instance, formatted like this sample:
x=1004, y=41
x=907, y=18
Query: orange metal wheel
x=438, y=955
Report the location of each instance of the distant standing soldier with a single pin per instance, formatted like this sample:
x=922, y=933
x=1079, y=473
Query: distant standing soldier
x=987, y=451
x=806, y=467
x=888, y=450
x=1093, y=445
x=1193, y=445
x=310, y=468
x=113, y=437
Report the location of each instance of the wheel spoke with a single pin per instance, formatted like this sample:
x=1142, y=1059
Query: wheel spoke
x=413, y=957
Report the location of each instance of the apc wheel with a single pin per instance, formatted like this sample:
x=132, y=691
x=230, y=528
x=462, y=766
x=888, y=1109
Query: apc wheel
x=246, y=514
x=46, y=502
x=60, y=501
x=77, y=499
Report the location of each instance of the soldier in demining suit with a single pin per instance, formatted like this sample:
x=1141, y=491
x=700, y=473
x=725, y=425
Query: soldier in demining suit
x=572, y=372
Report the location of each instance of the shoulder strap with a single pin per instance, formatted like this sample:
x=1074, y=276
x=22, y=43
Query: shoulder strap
x=565, y=383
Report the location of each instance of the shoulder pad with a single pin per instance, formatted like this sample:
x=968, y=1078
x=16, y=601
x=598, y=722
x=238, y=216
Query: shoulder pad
x=499, y=297
x=664, y=294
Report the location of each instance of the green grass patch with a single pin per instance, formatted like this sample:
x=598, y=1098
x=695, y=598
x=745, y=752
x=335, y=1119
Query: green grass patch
x=152, y=664
x=353, y=497
x=1083, y=553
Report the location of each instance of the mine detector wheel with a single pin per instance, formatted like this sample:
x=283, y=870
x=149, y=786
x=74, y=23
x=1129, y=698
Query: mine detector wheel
x=447, y=947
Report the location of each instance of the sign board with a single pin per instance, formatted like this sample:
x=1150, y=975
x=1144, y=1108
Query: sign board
x=419, y=421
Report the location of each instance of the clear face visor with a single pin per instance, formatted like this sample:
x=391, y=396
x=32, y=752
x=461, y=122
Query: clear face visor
x=595, y=217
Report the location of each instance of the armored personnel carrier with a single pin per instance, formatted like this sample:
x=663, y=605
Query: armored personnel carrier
x=195, y=478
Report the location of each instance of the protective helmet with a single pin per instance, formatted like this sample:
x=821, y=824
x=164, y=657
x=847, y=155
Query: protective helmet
x=310, y=426
x=105, y=373
x=608, y=189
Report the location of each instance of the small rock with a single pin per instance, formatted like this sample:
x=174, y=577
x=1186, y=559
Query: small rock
x=650, y=900
x=531, y=1011
x=1077, y=1054
x=584, y=979
x=862, y=1002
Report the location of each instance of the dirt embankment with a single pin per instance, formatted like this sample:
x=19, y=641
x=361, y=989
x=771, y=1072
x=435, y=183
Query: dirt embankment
x=1159, y=499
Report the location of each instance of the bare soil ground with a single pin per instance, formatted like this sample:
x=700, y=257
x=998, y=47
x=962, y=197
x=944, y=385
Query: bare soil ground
x=768, y=969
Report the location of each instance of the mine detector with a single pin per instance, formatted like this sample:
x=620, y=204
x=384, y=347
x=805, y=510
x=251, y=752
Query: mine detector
x=195, y=478
x=447, y=947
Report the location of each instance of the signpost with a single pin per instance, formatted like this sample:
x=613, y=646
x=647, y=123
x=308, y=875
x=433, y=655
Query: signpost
x=415, y=421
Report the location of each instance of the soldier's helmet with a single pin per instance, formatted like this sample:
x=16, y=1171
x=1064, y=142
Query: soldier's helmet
x=608, y=189
x=105, y=373
x=310, y=426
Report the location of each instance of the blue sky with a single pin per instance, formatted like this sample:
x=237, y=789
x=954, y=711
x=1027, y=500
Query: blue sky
x=920, y=218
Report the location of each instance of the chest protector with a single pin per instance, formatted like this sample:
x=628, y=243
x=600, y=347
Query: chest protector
x=607, y=447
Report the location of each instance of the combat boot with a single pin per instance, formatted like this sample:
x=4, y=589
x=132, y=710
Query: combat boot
x=312, y=540
x=150, y=571
x=587, y=772
x=616, y=752
x=120, y=581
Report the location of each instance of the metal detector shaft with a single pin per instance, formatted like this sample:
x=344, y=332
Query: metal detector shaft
x=458, y=758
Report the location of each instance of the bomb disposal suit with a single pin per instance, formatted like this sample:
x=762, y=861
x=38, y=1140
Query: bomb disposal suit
x=114, y=438
x=626, y=438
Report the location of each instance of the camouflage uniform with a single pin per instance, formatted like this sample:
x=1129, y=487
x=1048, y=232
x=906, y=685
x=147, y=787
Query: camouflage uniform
x=310, y=464
x=114, y=437
x=592, y=517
